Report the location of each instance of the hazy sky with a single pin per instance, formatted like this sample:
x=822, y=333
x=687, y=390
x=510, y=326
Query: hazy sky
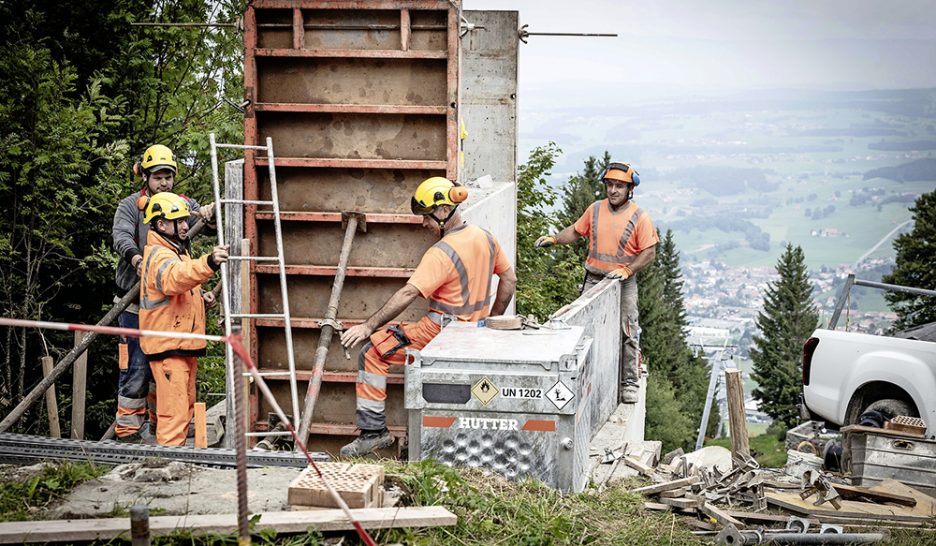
x=715, y=45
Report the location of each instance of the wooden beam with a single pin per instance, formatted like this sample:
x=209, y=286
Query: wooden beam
x=721, y=516
x=352, y=53
x=666, y=486
x=20, y=532
x=684, y=503
x=404, y=29
x=55, y=430
x=850, y=492
x=201, y=426
x=737, y=420
x=639, y=466
x=79, y=383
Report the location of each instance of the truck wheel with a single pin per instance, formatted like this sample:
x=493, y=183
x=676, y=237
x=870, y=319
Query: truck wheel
x=884, y=410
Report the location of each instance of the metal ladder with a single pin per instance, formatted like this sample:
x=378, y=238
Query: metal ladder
x=279, y=259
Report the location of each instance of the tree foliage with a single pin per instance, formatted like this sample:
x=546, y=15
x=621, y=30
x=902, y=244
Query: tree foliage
x=916, y=266
x=788, y=319
x=82, y=93
x=547, y=279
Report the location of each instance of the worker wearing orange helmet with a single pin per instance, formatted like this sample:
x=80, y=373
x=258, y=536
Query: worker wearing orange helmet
x=621, y=242
x=455, y=275
x=171, y=300
x=135, y=391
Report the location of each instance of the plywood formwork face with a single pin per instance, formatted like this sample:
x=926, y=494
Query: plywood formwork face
x=360, y=101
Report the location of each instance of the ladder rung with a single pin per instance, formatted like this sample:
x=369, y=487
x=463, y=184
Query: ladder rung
x=247, y=201
x=268, y=374
x=257, y=315
x=274, y=433
x=255, y=258
x=240, y=146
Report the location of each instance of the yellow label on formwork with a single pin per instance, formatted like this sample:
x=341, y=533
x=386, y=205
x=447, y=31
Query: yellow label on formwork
x=484, y=390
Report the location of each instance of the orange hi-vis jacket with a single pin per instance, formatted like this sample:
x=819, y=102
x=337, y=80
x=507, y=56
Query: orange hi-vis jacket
x=170, y=298
x=455, y=274
x=615, y=238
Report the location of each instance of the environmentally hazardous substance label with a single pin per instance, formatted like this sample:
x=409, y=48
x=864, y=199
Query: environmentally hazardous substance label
x=520, y=392
x=484, y=390
x=560, y=395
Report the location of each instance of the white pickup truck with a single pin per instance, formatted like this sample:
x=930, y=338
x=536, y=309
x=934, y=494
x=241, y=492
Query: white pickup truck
x=846, y=374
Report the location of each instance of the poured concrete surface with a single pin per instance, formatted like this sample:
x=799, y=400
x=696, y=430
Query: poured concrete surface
x=169, y=488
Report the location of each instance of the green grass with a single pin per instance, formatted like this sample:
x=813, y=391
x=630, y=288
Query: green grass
x=766, y=448
x=27, y=497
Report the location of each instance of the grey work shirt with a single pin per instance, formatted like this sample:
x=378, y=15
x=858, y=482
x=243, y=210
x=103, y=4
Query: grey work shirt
x=130, y=233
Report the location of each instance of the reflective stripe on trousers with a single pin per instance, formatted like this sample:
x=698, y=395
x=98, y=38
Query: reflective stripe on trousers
x=135, y=387
x=373, y=368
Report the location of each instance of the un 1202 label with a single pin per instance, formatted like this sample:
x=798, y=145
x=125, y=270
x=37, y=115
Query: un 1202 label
x=520, y=392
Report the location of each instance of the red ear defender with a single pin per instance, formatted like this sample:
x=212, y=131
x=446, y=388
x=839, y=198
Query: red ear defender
x=142, y=201
x=137, y=170
x=458, y=194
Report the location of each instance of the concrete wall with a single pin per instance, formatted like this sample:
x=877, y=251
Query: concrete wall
x=488, y=95
x=492, y=206
x=599, y=312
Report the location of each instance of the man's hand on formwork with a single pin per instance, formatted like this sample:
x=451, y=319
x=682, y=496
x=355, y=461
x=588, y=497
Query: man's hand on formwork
x=209, y=298
x=356, y=334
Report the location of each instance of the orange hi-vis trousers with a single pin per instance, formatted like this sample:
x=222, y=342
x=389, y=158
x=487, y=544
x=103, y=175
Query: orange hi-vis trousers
x=383, y=349
x=175, y=398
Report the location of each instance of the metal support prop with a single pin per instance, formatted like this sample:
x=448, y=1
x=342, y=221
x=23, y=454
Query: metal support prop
x=353, y=221
x=132, y=295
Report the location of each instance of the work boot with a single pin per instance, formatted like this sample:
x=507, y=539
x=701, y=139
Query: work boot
x=630, y=394
x=368, y=442
x=134, y=438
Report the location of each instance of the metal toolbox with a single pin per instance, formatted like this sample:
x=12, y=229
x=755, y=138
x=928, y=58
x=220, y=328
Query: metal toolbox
x=874, y=455
x=515, y=402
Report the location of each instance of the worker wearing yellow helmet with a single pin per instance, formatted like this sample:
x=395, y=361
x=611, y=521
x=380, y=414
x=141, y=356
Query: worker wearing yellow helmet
x=171, y=300
x=455, y=275
x=158, y=168
x=622, y=241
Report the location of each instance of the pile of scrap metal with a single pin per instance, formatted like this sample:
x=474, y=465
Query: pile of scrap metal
x=738, y=502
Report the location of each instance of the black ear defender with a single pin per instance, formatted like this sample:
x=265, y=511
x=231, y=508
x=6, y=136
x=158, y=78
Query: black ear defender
x=624, y=167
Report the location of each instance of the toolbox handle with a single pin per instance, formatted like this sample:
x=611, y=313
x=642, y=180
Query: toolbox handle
x=903, y=444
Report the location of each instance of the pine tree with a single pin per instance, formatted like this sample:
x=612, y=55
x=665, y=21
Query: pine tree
x=788, y=318
x=916, y=266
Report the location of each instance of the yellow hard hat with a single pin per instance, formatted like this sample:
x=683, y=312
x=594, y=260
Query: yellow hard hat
x=436, y=191
x=158, y=157
x=166, y=205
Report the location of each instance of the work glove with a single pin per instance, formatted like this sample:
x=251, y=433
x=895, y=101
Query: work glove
x=622, y=273
x=545, y=241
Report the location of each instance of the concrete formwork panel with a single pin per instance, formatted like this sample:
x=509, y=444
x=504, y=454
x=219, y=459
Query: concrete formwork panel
x=489, y=95
x=376, y=191
x=319, y=243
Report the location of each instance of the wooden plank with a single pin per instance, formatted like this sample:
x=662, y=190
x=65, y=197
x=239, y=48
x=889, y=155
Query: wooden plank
x=282, y=522
x=201, y=426
x=853, y=509
x=850, y=492
x=719, y=515
x=881, y=431
x=329, y=271
x=404, y=29
x=55, y=430
x=657, y=507
x=666, y=486
x=79, y=383
x=757, y=517
x=639, y=466
x=736, y=415
x=370, y=218
x=684, y=503
x=674, y=493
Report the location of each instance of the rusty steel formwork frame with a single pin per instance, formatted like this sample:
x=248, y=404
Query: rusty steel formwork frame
x=361, y=101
